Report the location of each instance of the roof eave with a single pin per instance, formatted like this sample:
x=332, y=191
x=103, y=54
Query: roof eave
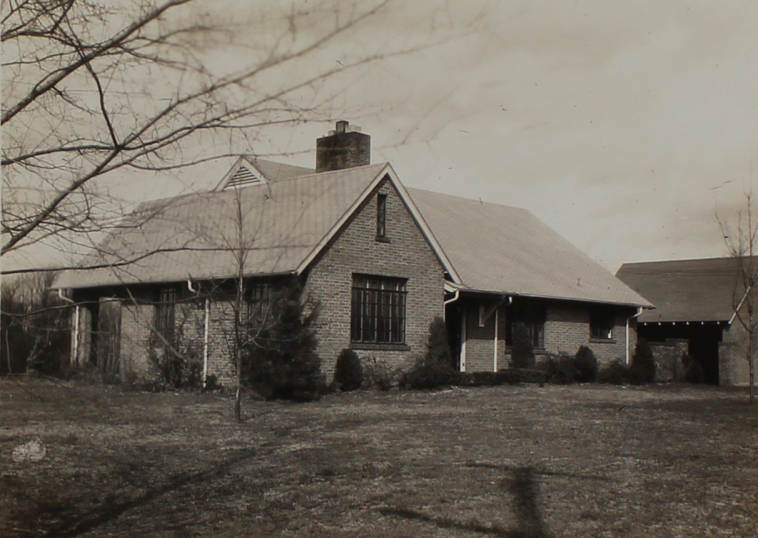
x=466, y=289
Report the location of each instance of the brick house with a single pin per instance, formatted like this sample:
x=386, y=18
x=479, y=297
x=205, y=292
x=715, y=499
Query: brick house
x=382, y=262
x=518, y=281
x=695, y=316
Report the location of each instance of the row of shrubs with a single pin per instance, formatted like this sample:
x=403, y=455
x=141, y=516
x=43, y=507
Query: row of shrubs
x=583, y=368
x=435, y=369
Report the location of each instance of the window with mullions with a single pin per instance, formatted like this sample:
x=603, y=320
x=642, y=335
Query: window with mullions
x=165, y=314
x=378, y=310
x=257, y=303
x=601, y=324
x=525, y=322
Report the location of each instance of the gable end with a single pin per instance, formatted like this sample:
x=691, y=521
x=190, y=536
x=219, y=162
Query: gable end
x=242, y=177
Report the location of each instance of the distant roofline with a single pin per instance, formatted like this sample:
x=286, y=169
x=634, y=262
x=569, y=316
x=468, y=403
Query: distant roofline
x=682, y=260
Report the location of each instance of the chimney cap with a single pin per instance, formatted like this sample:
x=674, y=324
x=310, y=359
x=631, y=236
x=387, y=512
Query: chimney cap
x=341, y=126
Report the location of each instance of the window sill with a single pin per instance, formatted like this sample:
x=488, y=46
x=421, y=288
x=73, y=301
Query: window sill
x=382, y=239
x=384, y=346
x=602, y=340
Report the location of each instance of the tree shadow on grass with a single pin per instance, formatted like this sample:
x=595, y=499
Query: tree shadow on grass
x=449, y=523
x=73, y=524
x=521, y=483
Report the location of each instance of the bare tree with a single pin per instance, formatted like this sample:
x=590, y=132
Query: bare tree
x=34, y=325
x=240, y=256
x=740, y=239
x=93, y=87
x=257, y=309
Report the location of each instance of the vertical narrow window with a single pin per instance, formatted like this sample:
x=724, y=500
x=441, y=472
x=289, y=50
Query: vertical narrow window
x=378, y=310
x=257, y=304
x=381, y=216
x=165, y=314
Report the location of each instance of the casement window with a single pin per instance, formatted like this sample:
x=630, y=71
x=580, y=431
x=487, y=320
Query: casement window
x=601, y=324
x=257, y=304
x=381, y=217
x=536, y=332
x=378, y=310
x=526, y=322
x=165, y=314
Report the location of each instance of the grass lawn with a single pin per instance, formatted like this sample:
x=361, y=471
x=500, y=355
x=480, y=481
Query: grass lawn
x=502, y=461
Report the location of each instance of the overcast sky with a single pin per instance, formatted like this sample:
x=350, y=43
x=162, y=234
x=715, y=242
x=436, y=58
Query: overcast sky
x=622, y=125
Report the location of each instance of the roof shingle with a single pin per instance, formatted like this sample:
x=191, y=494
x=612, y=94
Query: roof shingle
x=196, y=235
x=685, y=290
x=508, y=250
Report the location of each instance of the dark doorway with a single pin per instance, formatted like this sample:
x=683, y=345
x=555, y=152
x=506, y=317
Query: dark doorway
x=453, y=323
x=108, y=336
x=702, y=346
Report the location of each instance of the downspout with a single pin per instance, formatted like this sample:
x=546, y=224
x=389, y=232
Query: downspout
x=205, y=340
x=494, y=358
x=455, y=297
x=462, y=356
x=61, y=295
x=206, y=318
x=628, y=354
x=462, y=360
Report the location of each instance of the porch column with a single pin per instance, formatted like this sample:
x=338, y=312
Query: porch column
x=462, y=360
x=205, y=340
x=494, y=350
x=83, y=335
x=74, y=356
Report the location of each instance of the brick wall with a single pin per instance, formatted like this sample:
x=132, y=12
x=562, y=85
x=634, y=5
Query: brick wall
x=136, y=320
x=356, y=250
x=220, y=342
x=668, y=359
x=480, y=341
x=733, y=368
x=567, y=326
x=81, y=339
x=137, y=325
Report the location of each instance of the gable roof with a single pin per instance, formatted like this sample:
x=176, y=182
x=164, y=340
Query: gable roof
x=686, y=290
x=195, y=235
x=503, y=249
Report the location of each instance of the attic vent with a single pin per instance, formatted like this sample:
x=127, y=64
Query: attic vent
x=242, y=177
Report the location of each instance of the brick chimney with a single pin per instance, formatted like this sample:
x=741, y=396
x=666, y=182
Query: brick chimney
x=342, y=148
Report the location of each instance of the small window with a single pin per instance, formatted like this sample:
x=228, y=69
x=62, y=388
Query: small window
x=601, y=324
x=378, y=310
x=165, y=314
x=381, y=216
x=482, y=315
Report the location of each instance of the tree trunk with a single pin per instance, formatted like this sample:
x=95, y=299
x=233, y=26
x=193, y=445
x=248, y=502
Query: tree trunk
x=751, y=367
x=237, y=405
